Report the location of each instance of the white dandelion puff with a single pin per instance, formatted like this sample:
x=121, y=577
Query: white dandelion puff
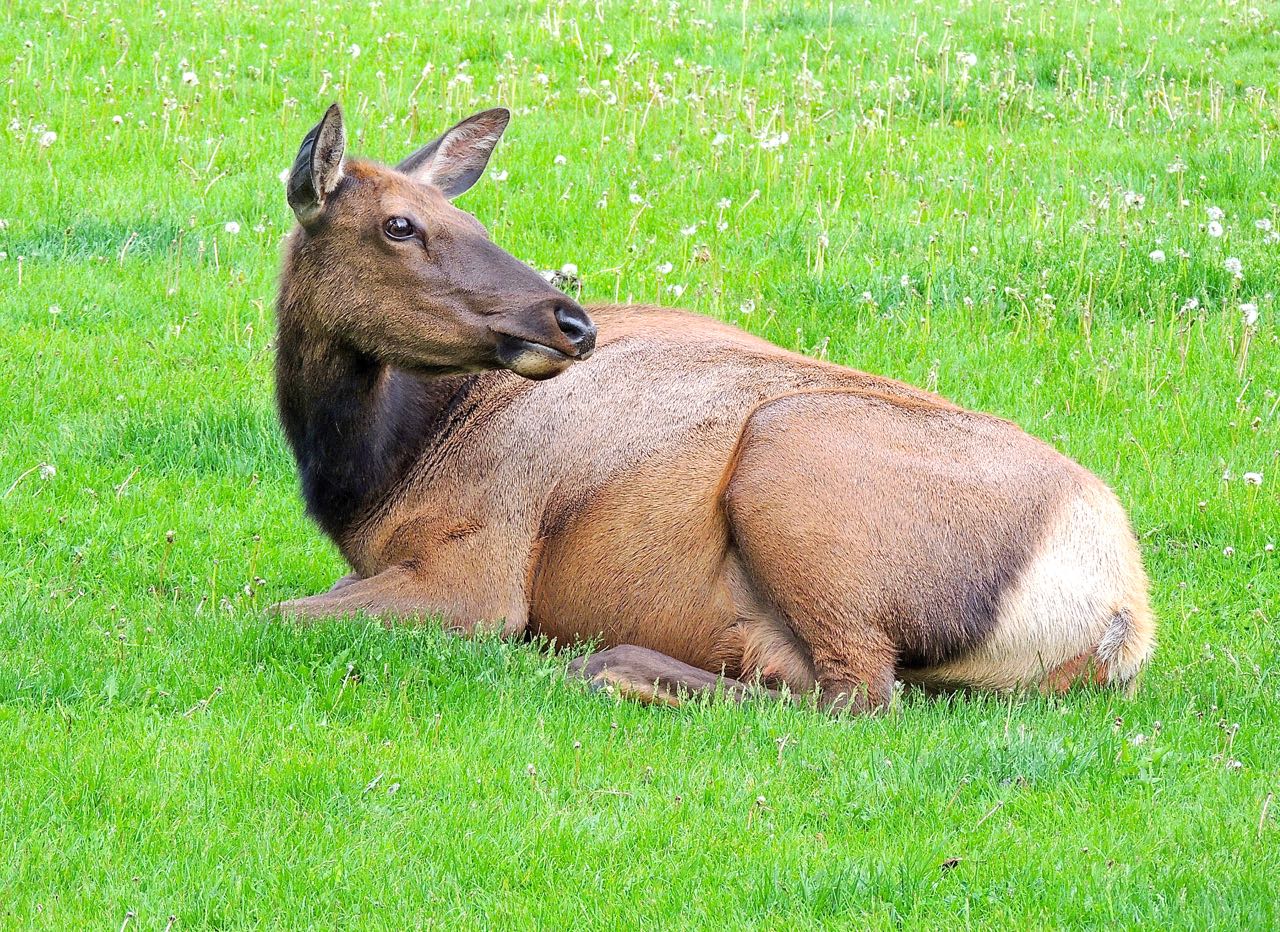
x=48, y=139
x=1234, y=266
x=1214, y=229
x=190, y=79
x=1156, y=256
x=1253, y=478
x=1249, y=314
x=232, y=227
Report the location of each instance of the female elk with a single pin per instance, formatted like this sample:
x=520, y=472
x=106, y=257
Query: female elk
x=711, y=507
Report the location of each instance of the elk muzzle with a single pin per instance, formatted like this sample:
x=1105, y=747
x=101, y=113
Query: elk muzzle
x=545, y=338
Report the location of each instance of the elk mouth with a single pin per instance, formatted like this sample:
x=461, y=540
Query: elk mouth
x=531, y=360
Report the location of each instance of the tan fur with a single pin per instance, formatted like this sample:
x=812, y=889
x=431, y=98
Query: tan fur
x=701, y=493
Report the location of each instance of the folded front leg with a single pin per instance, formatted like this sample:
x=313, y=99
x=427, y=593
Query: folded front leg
x=406, y=592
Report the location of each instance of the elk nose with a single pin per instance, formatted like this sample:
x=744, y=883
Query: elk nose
x=577, y=326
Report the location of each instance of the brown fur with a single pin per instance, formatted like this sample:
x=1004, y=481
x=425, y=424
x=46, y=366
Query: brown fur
x=691, y=490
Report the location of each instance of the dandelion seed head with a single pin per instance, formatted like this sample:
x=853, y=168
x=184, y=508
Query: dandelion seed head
x=232, y=227
x=1156, y=256
x=47, y=139
x=1214, y=229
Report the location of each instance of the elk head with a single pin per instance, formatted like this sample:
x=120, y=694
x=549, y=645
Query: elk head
x=385, y=264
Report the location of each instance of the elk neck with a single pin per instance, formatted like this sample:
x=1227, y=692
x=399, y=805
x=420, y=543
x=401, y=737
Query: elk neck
x=356, y=425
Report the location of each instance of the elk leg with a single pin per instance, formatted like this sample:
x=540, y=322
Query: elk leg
x=345, y=581
x=391, y=592
x=407, y=593
x=653, y=678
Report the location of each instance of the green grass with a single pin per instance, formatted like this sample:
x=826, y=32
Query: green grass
x=168, y=751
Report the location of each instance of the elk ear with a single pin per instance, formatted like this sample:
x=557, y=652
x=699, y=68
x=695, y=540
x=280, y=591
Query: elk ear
x=318, y=167
x=455, y=161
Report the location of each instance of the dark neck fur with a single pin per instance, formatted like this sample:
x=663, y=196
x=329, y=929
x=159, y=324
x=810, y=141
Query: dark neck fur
x=356, y=425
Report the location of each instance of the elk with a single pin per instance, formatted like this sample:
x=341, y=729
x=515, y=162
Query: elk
x=716, y=513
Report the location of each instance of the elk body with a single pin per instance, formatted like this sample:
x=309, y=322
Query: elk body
x=712, y=509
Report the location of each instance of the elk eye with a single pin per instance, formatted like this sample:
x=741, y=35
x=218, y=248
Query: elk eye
x=399, y=228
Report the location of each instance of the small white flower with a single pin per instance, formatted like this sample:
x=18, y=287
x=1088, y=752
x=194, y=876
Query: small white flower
x=48, y=471
x=48, y=139
x=676, y=290
x=1228, y=551
x=1252, y=478
x=1156, y=256
x=569, y=270
x=1190, y=304
x=189, y=78
x=665, y=268
x=1216, y=213
x=118, y=120
x=500, y=176
x=1134, y=200
x=560, y=160
x=635, y=198
x=968, y=59
x=1214, y=229
x=689, y=230
x=232, y=227
x=606, y=49
x=775, y=141
x=720, y=139
x=354, y=51
x=1234, y=266
x=1249, y=314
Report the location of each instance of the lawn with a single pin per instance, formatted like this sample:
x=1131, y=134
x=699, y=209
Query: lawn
x=1063, y=212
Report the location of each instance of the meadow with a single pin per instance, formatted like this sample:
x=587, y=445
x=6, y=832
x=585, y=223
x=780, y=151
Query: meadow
x=1063, y=212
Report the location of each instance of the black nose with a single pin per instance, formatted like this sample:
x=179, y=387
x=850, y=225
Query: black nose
x=577, y=326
